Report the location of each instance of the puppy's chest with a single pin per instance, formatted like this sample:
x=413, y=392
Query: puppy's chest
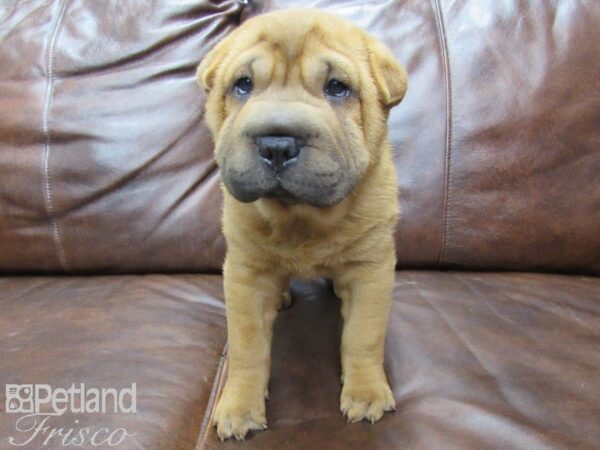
x=306, y=259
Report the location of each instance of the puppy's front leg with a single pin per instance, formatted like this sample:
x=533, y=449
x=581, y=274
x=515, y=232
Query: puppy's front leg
x=366, y=293
x=251, y=298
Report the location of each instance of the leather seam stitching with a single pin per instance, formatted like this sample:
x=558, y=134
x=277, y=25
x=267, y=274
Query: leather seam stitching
x=212, y=399
x=448, y=137
x=48, y=200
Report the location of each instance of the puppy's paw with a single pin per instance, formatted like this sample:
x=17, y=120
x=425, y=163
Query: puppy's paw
x=366, y=399
x=235, y=415
x=286, y=300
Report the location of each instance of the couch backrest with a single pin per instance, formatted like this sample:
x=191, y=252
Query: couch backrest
x=106, y=164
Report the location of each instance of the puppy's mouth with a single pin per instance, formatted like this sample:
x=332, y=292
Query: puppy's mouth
x=282, y=195
x=308, y=177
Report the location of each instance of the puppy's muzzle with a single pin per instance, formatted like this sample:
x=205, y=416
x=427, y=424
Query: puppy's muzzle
x=278, y=152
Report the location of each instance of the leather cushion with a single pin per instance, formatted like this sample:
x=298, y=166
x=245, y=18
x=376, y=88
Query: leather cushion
x=475, y=360
x=106, y=165
x=164, y=333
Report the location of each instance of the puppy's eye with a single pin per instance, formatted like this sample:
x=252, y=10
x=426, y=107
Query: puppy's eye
x=336, y=88
x=242, y=86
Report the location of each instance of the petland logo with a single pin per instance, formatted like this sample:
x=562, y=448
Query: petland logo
x=39, y=403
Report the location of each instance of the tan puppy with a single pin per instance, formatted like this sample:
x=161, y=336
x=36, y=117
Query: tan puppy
x=298, y=102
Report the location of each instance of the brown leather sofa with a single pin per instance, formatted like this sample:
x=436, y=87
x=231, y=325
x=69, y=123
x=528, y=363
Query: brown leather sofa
x=110, y=243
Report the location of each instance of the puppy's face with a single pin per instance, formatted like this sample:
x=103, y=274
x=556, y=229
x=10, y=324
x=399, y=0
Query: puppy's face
x=297, y=104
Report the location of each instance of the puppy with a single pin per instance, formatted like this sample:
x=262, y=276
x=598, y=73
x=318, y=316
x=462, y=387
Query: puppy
x=297, y=103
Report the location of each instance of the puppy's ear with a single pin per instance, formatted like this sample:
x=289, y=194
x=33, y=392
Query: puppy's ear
x=390, y=77
x=205, y=74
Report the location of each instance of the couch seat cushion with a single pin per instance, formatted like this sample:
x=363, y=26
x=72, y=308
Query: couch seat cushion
x=164, y=333
x=476, y=360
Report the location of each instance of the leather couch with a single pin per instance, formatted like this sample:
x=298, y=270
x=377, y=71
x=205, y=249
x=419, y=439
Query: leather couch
x=110, y=243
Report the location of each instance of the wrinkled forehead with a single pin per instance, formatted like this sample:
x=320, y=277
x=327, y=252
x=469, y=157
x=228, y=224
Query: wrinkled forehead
x=308, y=51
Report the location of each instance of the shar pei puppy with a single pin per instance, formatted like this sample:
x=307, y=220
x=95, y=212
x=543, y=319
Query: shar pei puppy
x=297, y=104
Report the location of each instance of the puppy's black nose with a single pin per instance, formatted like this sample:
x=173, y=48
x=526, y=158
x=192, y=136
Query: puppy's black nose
x=277, y=151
